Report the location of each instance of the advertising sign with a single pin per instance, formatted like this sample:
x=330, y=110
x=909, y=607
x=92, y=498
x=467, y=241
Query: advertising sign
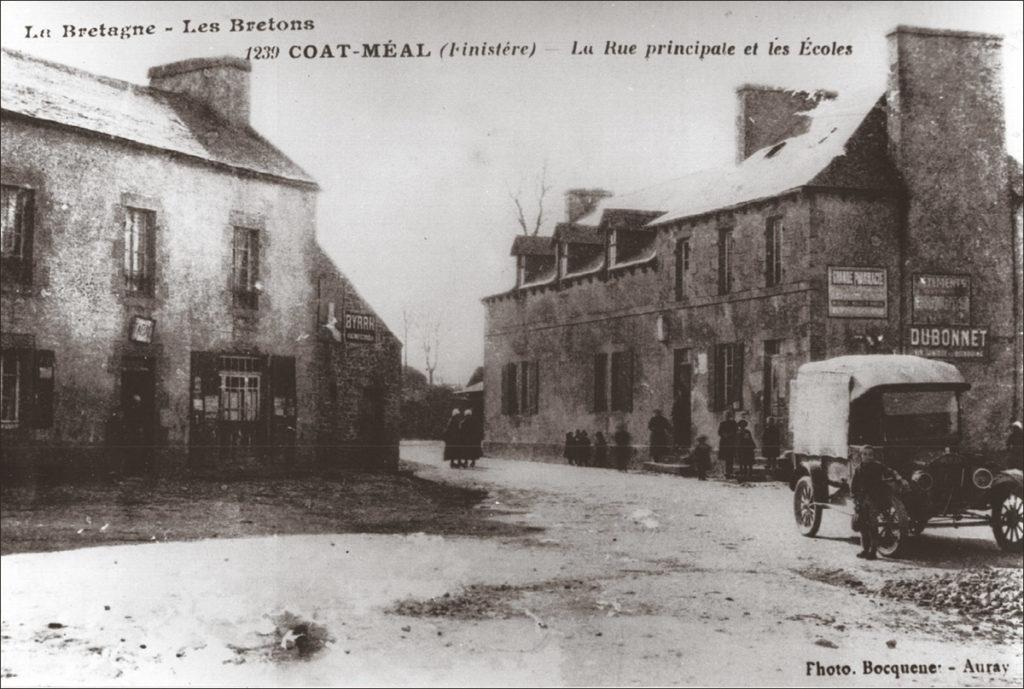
x=141, y=329
x=360, y=327
x=857, y=292
x=941, y=299
x=947, y=341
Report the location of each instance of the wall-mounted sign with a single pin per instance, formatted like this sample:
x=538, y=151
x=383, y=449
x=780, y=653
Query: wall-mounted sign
x=360, y=327
x=141, y=329
x=947, y=341
x=857, y=293
x=941, y=299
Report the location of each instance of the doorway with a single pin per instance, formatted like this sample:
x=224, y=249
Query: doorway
x=682, y=381
x=138, y=413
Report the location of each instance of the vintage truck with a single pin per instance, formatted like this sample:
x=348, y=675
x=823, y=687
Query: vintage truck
x=908, y=409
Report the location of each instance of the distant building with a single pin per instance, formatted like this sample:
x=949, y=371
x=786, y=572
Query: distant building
x=886, y=223
x=163, y=291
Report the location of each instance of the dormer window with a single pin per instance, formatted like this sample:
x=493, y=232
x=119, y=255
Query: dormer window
x=535, y=260
x=630, y=245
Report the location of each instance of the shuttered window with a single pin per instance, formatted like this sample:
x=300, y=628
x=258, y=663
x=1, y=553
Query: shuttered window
x=727, y=376
x=600, y=382
x=26, y=388
x=520, y=388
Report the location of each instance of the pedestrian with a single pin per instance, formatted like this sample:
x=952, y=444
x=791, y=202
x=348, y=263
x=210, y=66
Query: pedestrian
x=870, y=498
x=771, y=443
x=451, y=437
x=726, y=441
x=661, y=432
x=745, y=449
x=1015, y=446
x=472, y=436
x=623, y=447
x=700, y=457
x=600, y=450
x=583, y=448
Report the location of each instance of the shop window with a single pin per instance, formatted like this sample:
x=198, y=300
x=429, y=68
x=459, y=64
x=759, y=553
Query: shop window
x=246, y=268
x=16, y=233
x=26, y=388
x=727, y=377
x=139, y=251
x=773, y=235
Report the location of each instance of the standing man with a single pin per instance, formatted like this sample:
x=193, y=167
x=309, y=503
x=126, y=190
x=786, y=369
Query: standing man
x=870, y=496
x=727, y=441
x=623, y=447
x=745, y=450
x=661, y=432
x=1015, y=446
x=701, y=457
x=771, y=442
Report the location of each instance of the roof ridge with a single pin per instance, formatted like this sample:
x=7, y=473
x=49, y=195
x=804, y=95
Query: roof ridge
x=78, y=71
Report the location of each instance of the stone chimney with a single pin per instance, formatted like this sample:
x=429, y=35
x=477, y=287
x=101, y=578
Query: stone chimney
x=580, y=202
x=767, y=115
x=222, y=83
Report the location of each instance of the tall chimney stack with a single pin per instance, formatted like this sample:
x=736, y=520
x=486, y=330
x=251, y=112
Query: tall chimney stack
x=222, y=83
x=580, y=202
x=767, y=115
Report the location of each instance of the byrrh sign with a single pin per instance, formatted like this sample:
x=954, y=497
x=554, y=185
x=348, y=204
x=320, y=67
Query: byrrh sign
x=947, y=341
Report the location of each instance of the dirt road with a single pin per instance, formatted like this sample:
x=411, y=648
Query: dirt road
x=628, y=580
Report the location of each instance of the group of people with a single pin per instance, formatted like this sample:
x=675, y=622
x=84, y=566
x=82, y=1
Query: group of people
x=736, y=445
x=580, y=451
x=463, y=436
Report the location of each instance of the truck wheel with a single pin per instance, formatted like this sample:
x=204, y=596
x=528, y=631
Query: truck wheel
x=892, y=528
x=1008, y=521
x=808, y=515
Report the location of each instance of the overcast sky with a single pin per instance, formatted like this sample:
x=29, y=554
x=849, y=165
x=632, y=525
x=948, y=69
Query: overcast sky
x=416, y=157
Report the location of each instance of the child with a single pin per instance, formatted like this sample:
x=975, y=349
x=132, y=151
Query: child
x=700, y=457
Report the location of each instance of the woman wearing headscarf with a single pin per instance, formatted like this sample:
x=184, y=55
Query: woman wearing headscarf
x=452, y=438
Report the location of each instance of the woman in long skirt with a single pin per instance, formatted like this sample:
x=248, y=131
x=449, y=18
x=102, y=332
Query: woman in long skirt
x=452, y=438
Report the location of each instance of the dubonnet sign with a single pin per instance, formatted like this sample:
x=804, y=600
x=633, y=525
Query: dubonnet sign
x=947, y=341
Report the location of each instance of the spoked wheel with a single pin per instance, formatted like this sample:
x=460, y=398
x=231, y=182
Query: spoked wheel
x=1008, y=521
x=892, y=527
x=808, y=515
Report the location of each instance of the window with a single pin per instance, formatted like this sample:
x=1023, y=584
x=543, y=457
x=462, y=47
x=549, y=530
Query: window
x=727, y=392
x=774, y=384
x=239, y=388
x=682, y=266
x=26, y=388
x=725, y=251
x=139, y=250
x=520, y=388
x=773, y=233
x=10, y=389
x=600, y=382
x=629, y=245
x=246, y=267
x=16, y=233
x=622, y=381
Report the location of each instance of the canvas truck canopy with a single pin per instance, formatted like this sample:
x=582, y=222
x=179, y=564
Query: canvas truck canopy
x=821, y=394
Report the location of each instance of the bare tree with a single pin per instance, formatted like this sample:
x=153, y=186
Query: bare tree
x=543, y=187
x=430, y=334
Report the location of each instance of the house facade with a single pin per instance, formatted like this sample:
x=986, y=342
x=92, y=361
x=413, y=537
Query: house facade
x=165, y=301
x=874, y=223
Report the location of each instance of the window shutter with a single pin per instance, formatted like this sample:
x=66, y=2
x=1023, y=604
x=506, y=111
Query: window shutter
x=42, y=385
x=28, y=217
x=738, y=374
x=150, y=271
x=714, y=404
x=535, y=387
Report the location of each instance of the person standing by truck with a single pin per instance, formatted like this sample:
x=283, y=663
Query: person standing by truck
x=870, y=498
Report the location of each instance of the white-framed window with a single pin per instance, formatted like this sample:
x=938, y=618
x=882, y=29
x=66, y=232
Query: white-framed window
x=246, y=267
x=239, y=388
x=16, y=229
x=139, y=255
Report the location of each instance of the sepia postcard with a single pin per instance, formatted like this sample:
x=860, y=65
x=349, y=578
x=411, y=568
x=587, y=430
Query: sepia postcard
x=511, y=344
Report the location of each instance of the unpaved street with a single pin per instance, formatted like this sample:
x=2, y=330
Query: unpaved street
x=616, y=579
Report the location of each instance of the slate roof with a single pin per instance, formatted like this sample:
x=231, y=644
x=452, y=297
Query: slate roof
x=843, y=147
x=528, y=245
x=143, y=115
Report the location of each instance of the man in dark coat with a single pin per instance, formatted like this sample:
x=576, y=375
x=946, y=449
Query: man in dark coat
x=1015, y=446
x=726, y=441
x=570, y=448
x=583, y=448
x=745, y=449
x=700, y=457
x=870, y=497
x=452, y=438
x=661, y=433
x=600, y=450
x=771, y=442
x=623, y=447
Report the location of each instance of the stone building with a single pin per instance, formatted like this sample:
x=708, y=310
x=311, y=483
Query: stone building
x=883, y=222
x=164, y=298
